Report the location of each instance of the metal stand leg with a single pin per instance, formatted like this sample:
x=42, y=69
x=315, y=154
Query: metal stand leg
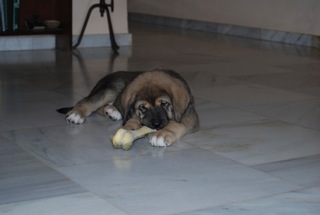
x=103, y=7
x=114, y=45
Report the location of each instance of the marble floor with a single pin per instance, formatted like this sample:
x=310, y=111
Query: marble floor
x=257, y=152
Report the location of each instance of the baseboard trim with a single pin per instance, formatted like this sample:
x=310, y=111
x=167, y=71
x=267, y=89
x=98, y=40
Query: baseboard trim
x=40, y=42
x=241, y=31
x=34, y=42
x=103, y=40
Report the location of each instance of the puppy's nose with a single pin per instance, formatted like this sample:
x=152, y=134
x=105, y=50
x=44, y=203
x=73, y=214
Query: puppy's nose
x=156, y=123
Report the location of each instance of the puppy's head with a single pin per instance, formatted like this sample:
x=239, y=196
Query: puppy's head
x=155, y=98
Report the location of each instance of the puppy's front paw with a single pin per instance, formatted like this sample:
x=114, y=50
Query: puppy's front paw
x=162, y=138
x=75, y=118
x=112, y=112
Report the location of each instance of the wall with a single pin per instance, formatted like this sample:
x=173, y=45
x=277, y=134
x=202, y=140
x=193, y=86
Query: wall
x=299, y=16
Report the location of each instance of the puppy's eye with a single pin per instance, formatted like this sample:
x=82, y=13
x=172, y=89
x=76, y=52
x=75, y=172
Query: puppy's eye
x=142, y=108
x=164, y=103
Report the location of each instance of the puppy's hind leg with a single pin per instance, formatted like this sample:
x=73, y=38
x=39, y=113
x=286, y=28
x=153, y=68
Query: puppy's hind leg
x=88, y=105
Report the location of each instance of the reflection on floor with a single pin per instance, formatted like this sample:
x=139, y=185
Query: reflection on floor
x=258, y=150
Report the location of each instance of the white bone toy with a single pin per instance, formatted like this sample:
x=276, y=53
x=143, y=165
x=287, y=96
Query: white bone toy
x=123, y=138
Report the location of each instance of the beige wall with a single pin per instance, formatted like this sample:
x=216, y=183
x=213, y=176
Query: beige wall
x=98, y=24
x=299, y=16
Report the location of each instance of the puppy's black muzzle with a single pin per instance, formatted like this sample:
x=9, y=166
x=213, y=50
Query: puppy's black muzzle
x=155, y=118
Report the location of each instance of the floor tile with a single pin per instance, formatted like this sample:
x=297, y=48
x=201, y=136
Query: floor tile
x=70, y=144
x=305, y=113
x=212, y=114
x=258, y=142
x=22, y=177
x=299, y=202
x=248, y=94
x=177, y=181
x=302, y=171
x=293, y=80
x=76, y=204
x=40, y=114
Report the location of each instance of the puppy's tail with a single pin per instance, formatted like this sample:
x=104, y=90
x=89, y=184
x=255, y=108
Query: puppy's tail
x=64, y=110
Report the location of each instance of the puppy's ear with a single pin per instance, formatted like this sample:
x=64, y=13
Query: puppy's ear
x=128, y=109
x=180, y=98
x=125, y=104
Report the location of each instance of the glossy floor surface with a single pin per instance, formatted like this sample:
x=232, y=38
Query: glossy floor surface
x=258, y=150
